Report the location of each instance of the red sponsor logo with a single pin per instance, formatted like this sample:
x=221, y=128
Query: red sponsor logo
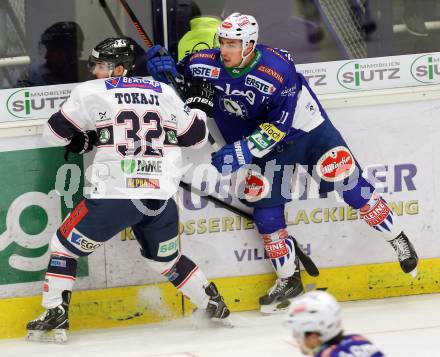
x=215, y=72
x=202, y=55
x=243, y=21
x=254, y=186
x=271, y=72
x=267, y=239
x=299, y=309
x=283, y=234
x=336, y=164
x=276, y=249
x=226, y=25
x=376, y=215
x=74, y=218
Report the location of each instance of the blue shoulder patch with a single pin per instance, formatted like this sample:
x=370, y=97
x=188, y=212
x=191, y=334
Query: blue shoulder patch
x=133, y=82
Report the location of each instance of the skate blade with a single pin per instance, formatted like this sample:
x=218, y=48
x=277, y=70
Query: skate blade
x=276, y=307
x=53, y=336
x=413, y=273
x=200, y=319
x=226, y=322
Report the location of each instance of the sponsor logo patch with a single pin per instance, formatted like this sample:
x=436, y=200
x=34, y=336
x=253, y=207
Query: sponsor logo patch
x=271, y=72
x=141, y=167
x=57, y=263
x=84, y=244
x=243, y=21
x=204, y=70
x=336, y=164
x=276, y=249
x=104, y=136
x=260, y=84
x=288, y=92
x=202, y=55
x=133, y=82
x=168, y=247
x=74, y=218
x=272, y=132
x=143, y=183
x=256, y=186
x=260, y=141
x=375, y=215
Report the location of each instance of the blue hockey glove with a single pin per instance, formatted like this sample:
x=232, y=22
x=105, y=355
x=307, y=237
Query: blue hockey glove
x=231, y=157
x=160, y=62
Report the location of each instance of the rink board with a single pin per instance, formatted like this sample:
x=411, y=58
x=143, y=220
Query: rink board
x=119, y=307
x=395, y=143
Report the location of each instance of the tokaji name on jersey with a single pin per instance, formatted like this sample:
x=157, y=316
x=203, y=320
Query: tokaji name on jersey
x=137, y=98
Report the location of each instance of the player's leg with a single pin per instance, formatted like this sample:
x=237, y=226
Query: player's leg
x=338, y=170
x=158, y=238
x=280, y=249
x=376, y=212
x=88, y=226
x=263, y=189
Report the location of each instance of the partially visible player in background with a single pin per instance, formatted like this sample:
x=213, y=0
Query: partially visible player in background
x=62, y=44
x=314, y=320
x=271, y=119
x=138, y=127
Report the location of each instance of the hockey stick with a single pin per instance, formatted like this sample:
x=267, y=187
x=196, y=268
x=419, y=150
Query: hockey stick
x=147, y=41
x=307, y=262
x=111, y=18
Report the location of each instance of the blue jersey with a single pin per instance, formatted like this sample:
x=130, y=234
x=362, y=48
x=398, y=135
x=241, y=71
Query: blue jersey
x=268, y=101
x=350, y=346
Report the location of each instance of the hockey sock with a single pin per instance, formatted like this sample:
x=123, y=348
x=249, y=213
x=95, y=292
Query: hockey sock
x=60, y=276
x=281, y=251
x=187, y=277
x=377, y=214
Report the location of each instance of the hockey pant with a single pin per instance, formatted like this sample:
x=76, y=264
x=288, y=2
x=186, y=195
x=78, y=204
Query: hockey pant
x=329, y=162
x=93, y=222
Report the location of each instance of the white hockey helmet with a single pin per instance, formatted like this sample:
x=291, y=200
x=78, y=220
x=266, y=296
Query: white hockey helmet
x=239, y=27
x=315, y=311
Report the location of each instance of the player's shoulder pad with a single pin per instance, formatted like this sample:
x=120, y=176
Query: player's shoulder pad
x=274, y=65
x=146, y=83
x=205, y=64
x=356, y=337
x=87, y=87
x=207, y=56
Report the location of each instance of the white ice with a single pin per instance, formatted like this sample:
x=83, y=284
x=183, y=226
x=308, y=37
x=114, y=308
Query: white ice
x=401, y=327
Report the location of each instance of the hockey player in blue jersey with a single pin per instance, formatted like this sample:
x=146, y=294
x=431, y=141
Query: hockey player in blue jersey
x=315, y=321
x=270, y=118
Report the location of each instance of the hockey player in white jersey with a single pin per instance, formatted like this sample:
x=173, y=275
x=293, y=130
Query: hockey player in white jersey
x=138, y=126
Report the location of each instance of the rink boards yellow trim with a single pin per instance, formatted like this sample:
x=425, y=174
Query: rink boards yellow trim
x=117, y=307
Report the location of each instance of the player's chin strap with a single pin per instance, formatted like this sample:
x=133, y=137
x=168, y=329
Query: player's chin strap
x=243, y=57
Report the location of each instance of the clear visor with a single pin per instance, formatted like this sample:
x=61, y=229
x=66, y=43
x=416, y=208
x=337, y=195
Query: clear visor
x=98, y=65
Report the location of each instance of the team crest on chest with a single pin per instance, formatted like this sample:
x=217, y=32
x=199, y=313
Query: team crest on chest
x=233, y=107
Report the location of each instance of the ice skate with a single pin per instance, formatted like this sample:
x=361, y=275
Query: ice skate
x=52, y=325
x=277, y=298
x=406, y=254
x=216, y=311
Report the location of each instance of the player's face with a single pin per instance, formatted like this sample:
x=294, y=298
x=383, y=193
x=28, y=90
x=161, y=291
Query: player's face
x=230, y=51
x=100, y=70
x=309, y=344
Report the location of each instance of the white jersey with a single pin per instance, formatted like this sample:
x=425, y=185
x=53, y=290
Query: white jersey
x=141, y=125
